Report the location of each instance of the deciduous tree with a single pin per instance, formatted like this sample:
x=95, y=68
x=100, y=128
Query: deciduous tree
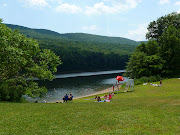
x=161, y=54
x=21, y=61
x=156, y=28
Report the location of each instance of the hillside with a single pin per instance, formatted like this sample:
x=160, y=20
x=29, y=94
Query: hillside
x=97, y=38
x=43, y=33
x=83, y=52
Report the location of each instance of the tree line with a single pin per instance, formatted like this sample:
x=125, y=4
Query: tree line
x=160, y=56
x=83, y=52
x=89, y=56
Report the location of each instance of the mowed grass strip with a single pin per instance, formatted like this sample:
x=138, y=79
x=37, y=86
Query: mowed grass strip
x=148, y=110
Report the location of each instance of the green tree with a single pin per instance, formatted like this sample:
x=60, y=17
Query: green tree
x=156, y=28
x=21, y=61
x=141, y=48
x=142, y=64
x=152, y=47
x=160, y=55
x=135, y=66
x=170, y=51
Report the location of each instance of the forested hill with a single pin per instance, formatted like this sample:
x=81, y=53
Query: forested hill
x=43, y=33
x=97, y=38
x=83, y=52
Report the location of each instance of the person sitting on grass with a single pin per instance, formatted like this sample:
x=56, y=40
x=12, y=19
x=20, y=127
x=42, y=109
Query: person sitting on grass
x=98, y=99
x=65, y=98
x=106, y=99
x=110, y=96
x=70, y=97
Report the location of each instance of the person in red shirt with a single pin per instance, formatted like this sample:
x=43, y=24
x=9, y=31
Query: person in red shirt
x=110, y=96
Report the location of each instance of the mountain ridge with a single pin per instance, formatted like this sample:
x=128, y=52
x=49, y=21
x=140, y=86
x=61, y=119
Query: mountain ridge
x=45, y=33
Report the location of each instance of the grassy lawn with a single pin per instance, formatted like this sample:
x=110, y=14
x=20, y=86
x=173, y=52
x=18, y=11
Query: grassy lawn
x=148, y=110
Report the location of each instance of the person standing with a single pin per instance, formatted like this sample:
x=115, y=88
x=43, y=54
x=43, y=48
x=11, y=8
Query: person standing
x=160, y=82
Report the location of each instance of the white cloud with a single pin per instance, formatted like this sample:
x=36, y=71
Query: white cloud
x=35, y=3
x=164, y=1
x=103, y=7
x=92, y=27
x=67, y=8
x=4, y=5
x=139, y=33
x=132, y=3
x=116, y=7
x=60, y=1
x=177, y=4
x=100, y=8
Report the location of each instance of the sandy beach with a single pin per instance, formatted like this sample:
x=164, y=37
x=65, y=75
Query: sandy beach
x=96, y=93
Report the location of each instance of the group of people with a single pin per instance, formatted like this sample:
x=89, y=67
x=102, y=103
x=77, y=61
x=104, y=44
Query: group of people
x=68, y=98
x=107, y=98
x=156, y=85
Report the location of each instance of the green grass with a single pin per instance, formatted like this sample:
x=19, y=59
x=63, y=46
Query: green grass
x=148, y=110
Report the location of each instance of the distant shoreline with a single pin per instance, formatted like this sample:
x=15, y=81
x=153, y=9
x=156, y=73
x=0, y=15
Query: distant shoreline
x=88, y=73
x=77, y=71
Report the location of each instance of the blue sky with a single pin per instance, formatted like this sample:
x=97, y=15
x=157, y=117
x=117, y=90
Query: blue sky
x=117, y=18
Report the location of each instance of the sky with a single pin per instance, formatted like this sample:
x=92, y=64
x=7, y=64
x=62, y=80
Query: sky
x=115, y=18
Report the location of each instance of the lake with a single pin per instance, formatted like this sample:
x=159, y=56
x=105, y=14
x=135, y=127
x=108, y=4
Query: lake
x=78, y=83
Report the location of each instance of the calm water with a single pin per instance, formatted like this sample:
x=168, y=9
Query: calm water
x=78, y=83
